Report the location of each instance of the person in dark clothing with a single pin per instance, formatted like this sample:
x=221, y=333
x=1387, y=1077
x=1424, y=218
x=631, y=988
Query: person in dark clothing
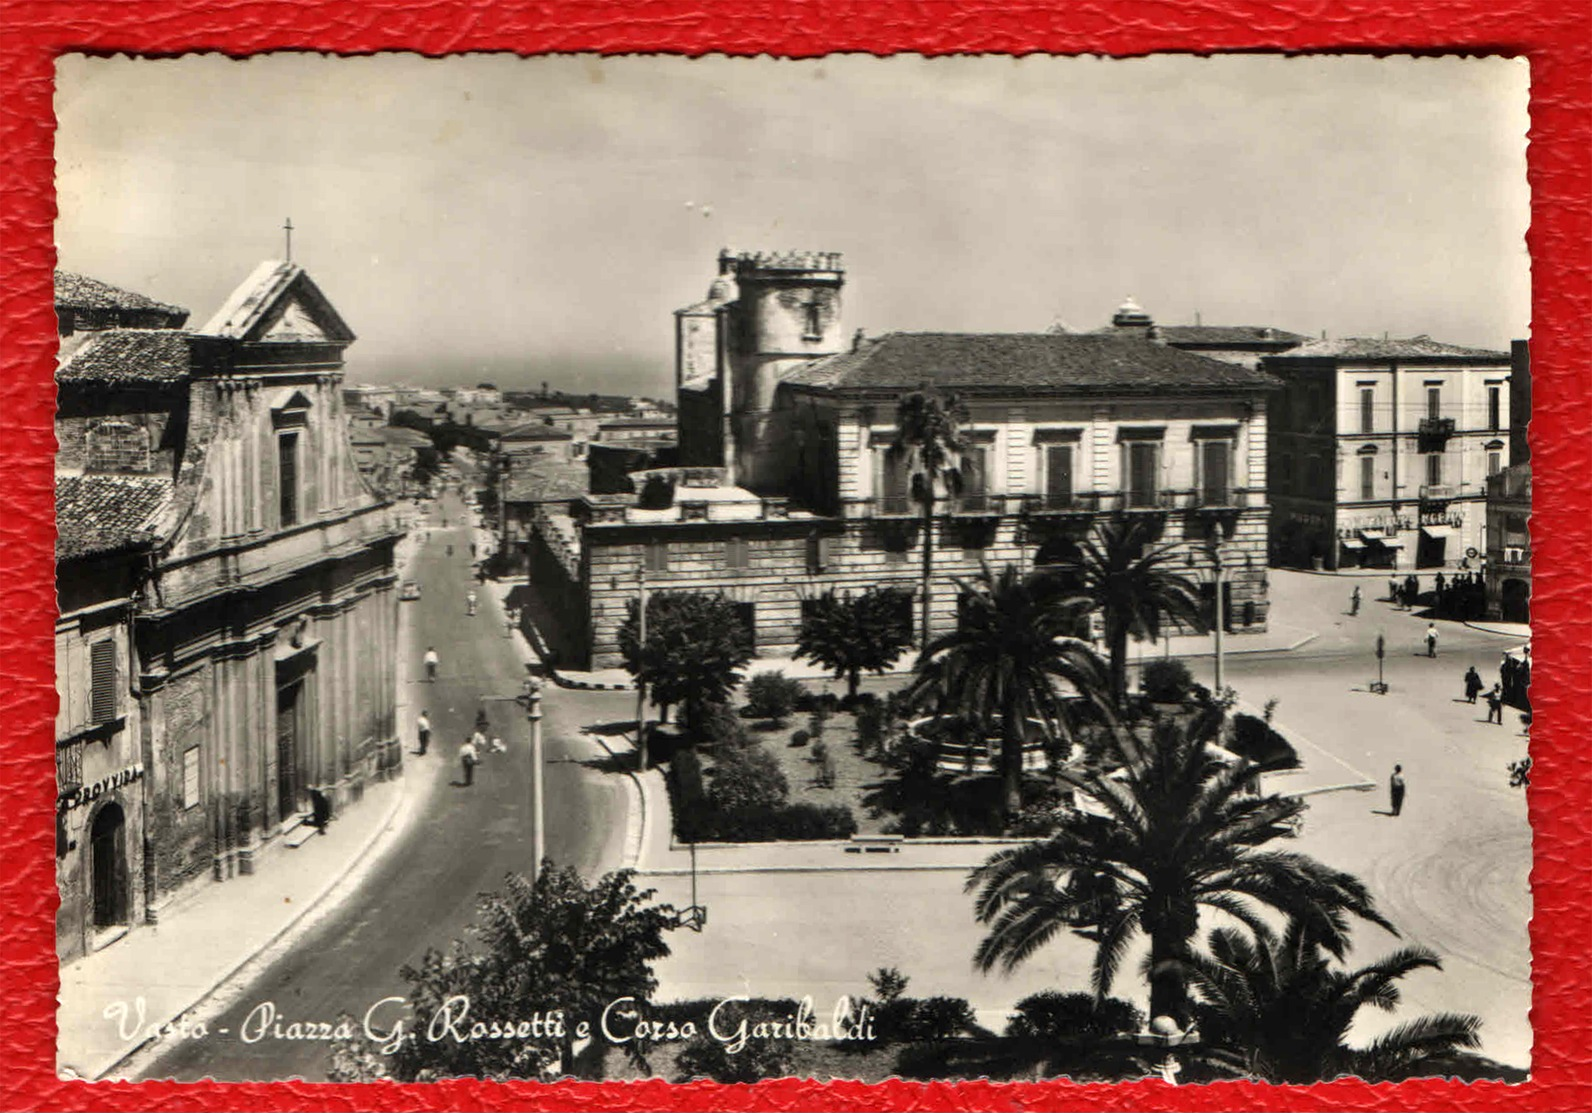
x=1395, y=789
x=1393, y=592
x=1354, y=601
x=1473, y=684
x=1495, y=705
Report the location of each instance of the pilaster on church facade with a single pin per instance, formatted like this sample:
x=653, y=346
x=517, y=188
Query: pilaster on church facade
x=263, y=631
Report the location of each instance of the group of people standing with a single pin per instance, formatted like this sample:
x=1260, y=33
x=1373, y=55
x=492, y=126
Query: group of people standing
x=1460, y=596
x=471, y=751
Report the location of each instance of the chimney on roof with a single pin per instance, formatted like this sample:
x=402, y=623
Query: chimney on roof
x=1323, y=334
x=1197, y=321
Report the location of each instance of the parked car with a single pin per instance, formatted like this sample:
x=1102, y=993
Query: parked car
x=409, y=591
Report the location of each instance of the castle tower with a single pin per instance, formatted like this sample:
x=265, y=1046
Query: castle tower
x=787, y=311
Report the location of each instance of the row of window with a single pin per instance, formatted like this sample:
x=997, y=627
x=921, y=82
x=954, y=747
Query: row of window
x=1434, y=406
x=1141, y=470
x=737, y=553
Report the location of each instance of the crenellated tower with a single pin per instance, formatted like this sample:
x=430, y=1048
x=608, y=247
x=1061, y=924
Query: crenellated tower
x=765, y=314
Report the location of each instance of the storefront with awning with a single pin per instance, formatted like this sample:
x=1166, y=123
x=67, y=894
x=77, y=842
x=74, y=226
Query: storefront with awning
x=1375, y=549
x=1432, y=550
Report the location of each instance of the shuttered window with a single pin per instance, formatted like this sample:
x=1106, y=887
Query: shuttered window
x=102, y=682
x=737, y=553
x=287, y=477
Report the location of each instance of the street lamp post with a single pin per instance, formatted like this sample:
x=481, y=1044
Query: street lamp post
x=538, y=773
x=1221, y=611
x=641, y=683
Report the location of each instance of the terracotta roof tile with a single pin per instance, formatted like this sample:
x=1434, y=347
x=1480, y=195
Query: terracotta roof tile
x=128, y=355
x=1361, y=347
x=78, y=291
x=997, y=363
x=104, y=513
x=547, y=484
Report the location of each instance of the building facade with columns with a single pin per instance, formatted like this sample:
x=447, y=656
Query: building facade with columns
x=209, y=476
x=784, y=489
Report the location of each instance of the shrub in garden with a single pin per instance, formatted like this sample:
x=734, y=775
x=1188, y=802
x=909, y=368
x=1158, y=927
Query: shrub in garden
x=793, y=822
x=1256, y=740
x=799, y=739
x=747, y=778
x=1166, y=680
x=771, y=696
x=722, y=729
x=913, y=1019
x=826, y=764
x=1073, y=1018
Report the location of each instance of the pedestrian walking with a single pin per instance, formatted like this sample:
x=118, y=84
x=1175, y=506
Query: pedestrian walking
x=469, y=603
x=423, y=730
x=1495, y=705
x=1393, y=593
x=1473, y=684
x=1395, y=789
x=1431, y=639
x=1354, y=601
x=468, y=757
x=432, y=661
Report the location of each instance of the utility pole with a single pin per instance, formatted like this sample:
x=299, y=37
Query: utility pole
x=641, y=683
x=287, y=227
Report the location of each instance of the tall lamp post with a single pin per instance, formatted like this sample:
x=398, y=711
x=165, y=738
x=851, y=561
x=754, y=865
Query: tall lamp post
x=1221, y=611
x=641, y=682
x=533, y=700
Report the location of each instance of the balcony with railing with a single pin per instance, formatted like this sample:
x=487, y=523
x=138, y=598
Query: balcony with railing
x=1062, y=505
x=1433, y=432
x=1437, y=492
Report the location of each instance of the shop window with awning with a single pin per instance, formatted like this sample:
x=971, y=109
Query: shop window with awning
x=1439, y=532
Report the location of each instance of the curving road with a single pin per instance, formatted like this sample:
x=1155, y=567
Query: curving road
x=422, y=891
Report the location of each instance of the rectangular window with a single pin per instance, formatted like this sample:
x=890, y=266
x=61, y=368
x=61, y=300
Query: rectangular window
x=1434, y=402
x=1367, y=410
x=820, y=553
x=737, y=553
x=657, y=556
x=287, y=478
x=190, y=777
x=1495, y=407
x=1367, y=478
x=1216, y=473
x=102, y=681
x=1495, y=463
x=892, y=484
x=975, y=478
x=1434, y=469
x=1144, y=473
x=1058, y=475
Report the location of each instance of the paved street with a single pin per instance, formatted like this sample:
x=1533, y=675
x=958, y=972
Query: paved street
x=422, y=891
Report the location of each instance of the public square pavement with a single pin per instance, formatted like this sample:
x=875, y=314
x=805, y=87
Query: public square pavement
x=1451, y=872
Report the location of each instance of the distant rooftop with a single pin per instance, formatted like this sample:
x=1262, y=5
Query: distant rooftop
x=1360, y=347
x=983, y=363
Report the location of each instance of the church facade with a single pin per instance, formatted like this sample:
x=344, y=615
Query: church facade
x=228, y=577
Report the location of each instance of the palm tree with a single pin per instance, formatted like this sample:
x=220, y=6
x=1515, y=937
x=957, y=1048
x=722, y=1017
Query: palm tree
x=1131, y=582
x=1167, y=831
x=1276, y=1009
x=1002, y=663
x=929, y=442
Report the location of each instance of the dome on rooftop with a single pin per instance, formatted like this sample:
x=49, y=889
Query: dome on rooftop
x=1130, y=314
x=724, y=289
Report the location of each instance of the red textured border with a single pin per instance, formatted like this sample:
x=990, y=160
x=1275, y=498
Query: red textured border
x=1555, y=34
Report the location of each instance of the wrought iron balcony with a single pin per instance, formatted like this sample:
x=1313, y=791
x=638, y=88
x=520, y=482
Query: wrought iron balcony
x=1437, y=492
x=1436, y=427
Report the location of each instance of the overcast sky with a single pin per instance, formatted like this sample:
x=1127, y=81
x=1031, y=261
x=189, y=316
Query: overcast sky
x=528, y=219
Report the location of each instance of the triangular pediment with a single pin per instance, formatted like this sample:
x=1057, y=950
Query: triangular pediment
x=279, y=304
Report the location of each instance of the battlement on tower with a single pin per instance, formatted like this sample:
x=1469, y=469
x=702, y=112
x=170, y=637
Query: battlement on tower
x=751, y=263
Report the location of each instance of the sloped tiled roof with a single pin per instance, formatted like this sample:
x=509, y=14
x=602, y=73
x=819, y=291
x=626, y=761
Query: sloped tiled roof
x=547, y=484
x=128, y=355
x=1361, y=347
x=988, y=363
x=402, y=437
x=536, y=431
x=78, y=291
x=103, y=513
x=1228, y=334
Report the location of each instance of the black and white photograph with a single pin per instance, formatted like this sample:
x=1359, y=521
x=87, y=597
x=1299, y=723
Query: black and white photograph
x=741, y=568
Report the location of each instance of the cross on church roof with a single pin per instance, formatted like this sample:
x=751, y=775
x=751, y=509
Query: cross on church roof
x=288, y=228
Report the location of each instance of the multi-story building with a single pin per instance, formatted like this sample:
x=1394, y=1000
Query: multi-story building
x=1242, y=344
x=228, y=632
x=784, y=487
x=1509, y=544
x=1381, y=450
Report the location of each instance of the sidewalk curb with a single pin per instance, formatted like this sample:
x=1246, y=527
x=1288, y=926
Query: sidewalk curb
x=312, y=905
x=1486, y=629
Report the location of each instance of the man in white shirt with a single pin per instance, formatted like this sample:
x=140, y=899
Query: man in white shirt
x=431, y=664
x=468, y=756
x=423, y=731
